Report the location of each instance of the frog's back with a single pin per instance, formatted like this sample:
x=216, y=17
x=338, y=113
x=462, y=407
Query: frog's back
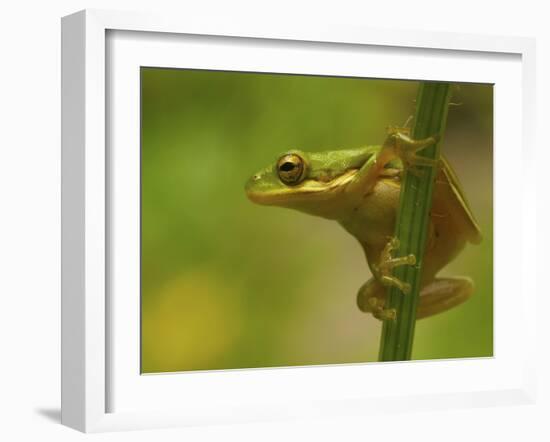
x=450, y=197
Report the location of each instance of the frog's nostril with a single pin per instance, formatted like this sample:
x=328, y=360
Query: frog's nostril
x=256, y=177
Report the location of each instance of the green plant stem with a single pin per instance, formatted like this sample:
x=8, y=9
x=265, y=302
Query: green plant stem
x=411, y=228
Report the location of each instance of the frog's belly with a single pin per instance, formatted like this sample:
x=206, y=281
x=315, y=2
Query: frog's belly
x=373, y=221
x=373, y=224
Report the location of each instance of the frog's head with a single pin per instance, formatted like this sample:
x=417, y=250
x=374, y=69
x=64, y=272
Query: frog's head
x=309, y=182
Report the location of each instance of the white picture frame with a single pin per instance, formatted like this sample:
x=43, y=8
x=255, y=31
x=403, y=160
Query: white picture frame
x=87, y=319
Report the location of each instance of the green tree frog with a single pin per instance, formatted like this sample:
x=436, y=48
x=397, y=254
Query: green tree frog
x=359, y=188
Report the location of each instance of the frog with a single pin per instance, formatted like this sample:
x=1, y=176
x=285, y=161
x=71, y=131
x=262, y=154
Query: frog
x=359, y=189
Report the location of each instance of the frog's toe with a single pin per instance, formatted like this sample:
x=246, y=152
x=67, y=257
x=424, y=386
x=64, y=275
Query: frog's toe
x=371, y=298
x=388, y=262
x=392, y=281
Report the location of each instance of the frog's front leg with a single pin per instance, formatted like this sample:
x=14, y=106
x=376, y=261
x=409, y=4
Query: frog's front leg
x=398, y=144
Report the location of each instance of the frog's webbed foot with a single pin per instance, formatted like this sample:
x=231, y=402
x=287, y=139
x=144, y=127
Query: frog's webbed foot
x=403, y=146
x=383, y=270
x=371, y=298
x=438, y=296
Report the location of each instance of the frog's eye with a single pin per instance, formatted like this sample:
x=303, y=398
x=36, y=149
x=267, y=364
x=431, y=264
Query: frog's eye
x=290, y=168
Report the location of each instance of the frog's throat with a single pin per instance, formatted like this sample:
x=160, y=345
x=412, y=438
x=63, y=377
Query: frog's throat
x=308, y=189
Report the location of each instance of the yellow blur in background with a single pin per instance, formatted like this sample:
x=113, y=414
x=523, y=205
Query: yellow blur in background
x=229, y=284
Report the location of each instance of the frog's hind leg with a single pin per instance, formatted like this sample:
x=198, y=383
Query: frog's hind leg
x=371, y=298
x=440, y=295
x=443, y=294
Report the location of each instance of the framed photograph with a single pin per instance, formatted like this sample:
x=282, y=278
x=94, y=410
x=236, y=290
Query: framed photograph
x=230, y=200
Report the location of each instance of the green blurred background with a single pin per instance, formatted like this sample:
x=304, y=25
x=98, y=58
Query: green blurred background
x=230, y=284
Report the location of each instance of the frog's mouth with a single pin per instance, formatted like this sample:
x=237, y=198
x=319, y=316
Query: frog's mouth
x=308, y=190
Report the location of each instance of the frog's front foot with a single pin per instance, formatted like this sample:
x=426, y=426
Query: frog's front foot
x=387, y=262
x=403, y=146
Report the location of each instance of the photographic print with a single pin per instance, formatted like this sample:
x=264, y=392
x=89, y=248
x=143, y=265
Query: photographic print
x=295, y=220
